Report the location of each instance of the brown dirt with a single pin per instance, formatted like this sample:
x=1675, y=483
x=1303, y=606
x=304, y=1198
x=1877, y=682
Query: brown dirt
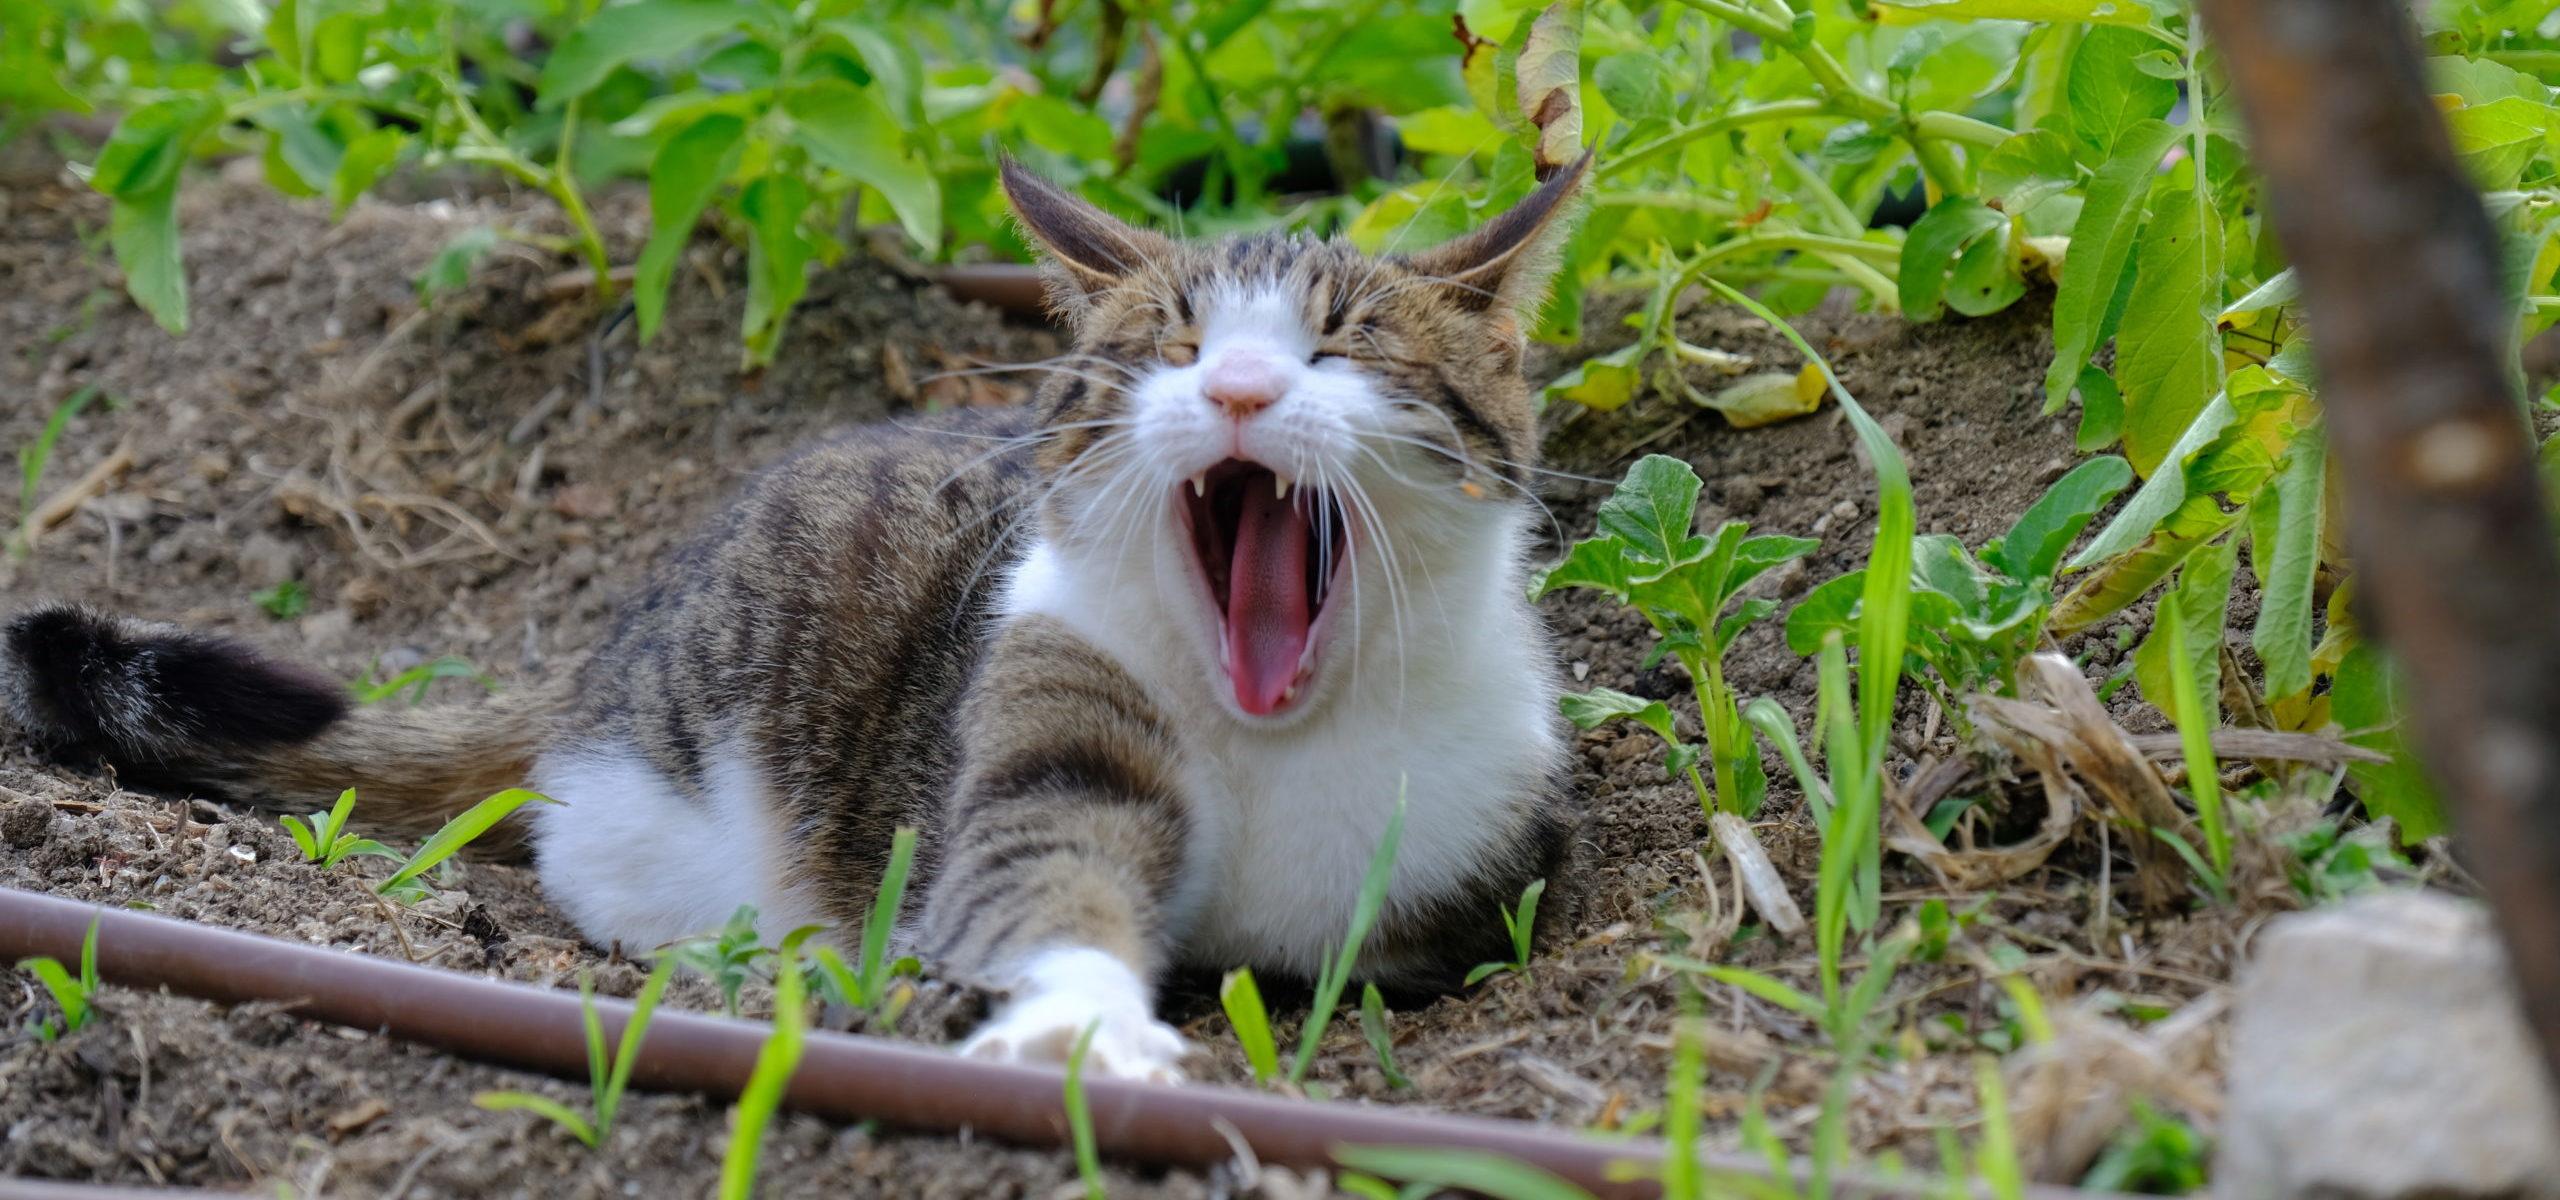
x=485, y=476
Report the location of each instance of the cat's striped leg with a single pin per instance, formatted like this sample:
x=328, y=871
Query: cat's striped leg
x=1063, y=854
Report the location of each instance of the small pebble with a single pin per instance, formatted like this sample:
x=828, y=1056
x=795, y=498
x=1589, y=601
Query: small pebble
x=243, y=854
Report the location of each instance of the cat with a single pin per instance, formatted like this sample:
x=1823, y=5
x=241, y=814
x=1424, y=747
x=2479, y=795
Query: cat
x=1148, y=663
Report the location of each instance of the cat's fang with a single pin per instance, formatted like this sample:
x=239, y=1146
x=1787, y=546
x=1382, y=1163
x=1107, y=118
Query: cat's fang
x=1279, y=486
x=1200, y=484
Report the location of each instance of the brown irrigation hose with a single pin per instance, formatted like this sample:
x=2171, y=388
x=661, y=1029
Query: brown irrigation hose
x=2400, y=282
x=841, y=1077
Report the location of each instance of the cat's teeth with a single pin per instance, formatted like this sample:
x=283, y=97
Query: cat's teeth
x=1279, y=486
x=1200, y=484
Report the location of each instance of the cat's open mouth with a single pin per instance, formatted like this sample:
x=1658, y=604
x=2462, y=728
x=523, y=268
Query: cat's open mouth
x=1269, y=549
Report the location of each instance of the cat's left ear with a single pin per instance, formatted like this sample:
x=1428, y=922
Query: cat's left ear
x=1507, y=261
x=1089, y=250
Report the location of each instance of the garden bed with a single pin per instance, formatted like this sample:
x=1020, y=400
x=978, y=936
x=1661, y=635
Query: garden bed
x=483, y=477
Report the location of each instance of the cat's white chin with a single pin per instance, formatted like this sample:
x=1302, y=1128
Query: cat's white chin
x=1059, y=993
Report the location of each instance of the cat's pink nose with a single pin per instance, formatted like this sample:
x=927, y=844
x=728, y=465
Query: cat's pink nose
x=1244, y=382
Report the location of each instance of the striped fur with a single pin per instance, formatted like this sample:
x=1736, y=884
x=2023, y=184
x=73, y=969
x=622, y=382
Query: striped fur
x=1001, y=644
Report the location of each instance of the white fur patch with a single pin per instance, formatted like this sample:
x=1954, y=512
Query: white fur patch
x=632, y=860
x=1057, y=994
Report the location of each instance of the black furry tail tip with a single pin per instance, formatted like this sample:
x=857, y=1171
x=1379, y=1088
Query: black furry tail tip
x=90, y=684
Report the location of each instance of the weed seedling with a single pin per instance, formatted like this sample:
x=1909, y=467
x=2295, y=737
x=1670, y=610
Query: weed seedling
x=284, y=601
x=1242, y=999
x=70, y=993
x=727, y=958
x=867, y=986
x=414, y=681
x=323, y=837
x=31, y=460
x=1080, y=1117
x=2195, y=715
x=1337, y=974
x=1520, y=924
x=1382, y=1040
x=774, y=1065
x=607, y=1074
x=1436, y=1170
x=449, y=840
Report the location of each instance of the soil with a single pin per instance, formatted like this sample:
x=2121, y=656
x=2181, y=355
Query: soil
x=483, y=477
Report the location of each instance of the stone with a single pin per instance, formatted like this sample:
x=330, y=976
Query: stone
x=2378, y=1052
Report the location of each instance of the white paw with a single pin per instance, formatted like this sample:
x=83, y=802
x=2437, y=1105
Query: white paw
x=1062, y=993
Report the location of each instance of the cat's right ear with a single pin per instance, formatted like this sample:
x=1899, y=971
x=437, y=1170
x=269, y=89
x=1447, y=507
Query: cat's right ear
x=1089, y=250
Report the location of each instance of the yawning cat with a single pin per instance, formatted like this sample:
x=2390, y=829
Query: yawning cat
x=1148, y=670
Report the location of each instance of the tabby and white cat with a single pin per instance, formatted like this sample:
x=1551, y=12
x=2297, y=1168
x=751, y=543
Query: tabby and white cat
x=1269, y=573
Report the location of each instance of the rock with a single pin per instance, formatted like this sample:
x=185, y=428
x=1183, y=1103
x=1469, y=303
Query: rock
x=2378, y=1052
x=25, y=822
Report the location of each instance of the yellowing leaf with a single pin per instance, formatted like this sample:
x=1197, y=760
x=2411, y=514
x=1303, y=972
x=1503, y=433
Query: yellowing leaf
x=1769, y=396
x=1605, y=383
x=1550, y=85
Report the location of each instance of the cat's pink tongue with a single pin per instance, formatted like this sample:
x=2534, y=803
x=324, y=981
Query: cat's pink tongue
x=1267, y=615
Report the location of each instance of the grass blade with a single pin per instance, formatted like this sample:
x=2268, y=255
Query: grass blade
x=627, y=1054
x=543, y=1106
x=763, y=1095
x=1373, y=1026
x=1080, y=1117
x=2195, y=734
x=460, y=832
x=1480, y=1171
x=1242, y=999
x=1373, y=896
x=884, y=912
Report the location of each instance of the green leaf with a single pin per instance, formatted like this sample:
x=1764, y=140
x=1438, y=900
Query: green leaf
x=2104, y=12
x=1604, y=382
x=624, y=33
x=2108, y=93
x=542, y=1106
x=1652, y=511
x=2284, y=553
x=2102, y=243
x=897, y=70
x=461, y=831
x=1986, y=278
x=847, y=129
x=1635, y=83
x=1381, y=1038
x=2280, y=289
x=1751, y=981
x=2032, y=549
x=1932, y=246
x=2168, y=356
x=449, y=272
x=2028, y=168
x=1242, y=1000
x=2203, y=594
x=1831, y=605
x=1599, y=563
x=149, y=146
x=367, y=159
x=688, y=169
x=1364, y=913
x=776, y=1060
x=1594, y=708
x=2161, y=494
x=778, y=257
x=2101, y=411
x=2366, y=700
x=2498, y=140
x=1484, y=1172
x=143, y=228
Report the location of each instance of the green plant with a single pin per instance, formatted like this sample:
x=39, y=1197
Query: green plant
x=1336, y=974
x=322, y=837
x=1242, y=1000
x=1973, y=620
x=449, y=839
x=1683, y=583
x=2195, y=721
x=70, y=993
x=775, y=1062
x=416, y=679
x=32, y=459
x=285, y=601
x=1992, y=1167
x=1381, y=1037
x=1431, y=1170
x=867, y=986
x=608, y=1073
x=1521, y=925
x=727, y=958
x=2158, y=1155
x=1080, y=1117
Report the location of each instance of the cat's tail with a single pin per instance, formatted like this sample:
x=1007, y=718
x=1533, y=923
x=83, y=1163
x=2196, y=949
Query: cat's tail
x=172, y=707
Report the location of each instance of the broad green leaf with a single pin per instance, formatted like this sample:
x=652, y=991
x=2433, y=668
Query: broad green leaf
x=2101, y=411
x=1451, y=129
x=444, y=275
x=847, y=129
x=1833, y=605
x=897, y=69
x=2102, y=243
x=2498, y=140
x=2032, y=550
x=1932, y=246
x=1592, y=709
x=777, y=258
x=149, y=146
x=688, y=169
x=2127, y=577
x=2109, y=95
x=2168, y=355
x=2482, y=81
x=1599, y=563
x=2284, y=553
x=1986, y=277
x=367, y=159
x=1652, y=511
x=2162, y=493
x=143, y=228
x=2367, y=702
x=2280, y=289
x=1635, y=83
x=2103, y=12
x=624, y=33
x=2028, y=167
x=2204, y=602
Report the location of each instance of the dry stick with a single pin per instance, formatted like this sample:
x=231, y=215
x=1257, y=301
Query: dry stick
x=842, y=1077
x=58, y=508
x=2399, y=270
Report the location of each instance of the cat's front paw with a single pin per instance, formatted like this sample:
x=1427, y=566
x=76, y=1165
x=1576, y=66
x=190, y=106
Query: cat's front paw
x=1064, y=992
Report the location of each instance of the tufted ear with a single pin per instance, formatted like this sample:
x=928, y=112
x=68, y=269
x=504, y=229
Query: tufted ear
x=1089, y=250
x=1508, y=259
